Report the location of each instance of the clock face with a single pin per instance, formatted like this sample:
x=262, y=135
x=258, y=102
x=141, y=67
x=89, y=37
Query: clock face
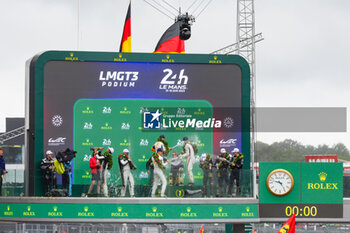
x=280, y=182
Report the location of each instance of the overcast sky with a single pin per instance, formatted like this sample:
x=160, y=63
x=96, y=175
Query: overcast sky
x=303, y=61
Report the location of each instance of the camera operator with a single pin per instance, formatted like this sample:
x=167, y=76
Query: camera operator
x=95, y=170
x=49, y=172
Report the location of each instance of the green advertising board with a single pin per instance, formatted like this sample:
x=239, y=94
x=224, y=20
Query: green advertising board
x=322, y=183
x=123, y=212
x=317, y=191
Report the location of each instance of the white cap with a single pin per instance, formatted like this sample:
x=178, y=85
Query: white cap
x=235, y=150
x=49, y=152
x=222, y=150
x=111, y=150
x=125, y=151
x=204, y=156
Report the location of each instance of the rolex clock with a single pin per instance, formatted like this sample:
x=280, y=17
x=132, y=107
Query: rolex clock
x=280, y=182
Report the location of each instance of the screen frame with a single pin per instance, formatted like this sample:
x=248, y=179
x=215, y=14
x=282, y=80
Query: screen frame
x=35, y=96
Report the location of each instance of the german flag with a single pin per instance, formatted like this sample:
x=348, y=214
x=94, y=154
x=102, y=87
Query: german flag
x=125, y=45
x=170, y=41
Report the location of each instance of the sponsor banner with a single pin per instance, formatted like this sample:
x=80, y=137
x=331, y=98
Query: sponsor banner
x=322, y=183
x=57, y=120
x=228, y=142
x=127, y=211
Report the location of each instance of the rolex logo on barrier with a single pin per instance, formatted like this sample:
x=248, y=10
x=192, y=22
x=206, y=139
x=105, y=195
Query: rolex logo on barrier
x=86, y=212
x=119, y=213
x=8, y=211
x=55, y=212
x=154, y=213
x=322, y=176
x=29, y=212
x=322, y=185
x=220, y=212
x=247, y=212
x=188, y=213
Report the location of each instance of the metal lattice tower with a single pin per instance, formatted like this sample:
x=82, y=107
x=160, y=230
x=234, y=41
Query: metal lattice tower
x=12, y=134
x=246, y=30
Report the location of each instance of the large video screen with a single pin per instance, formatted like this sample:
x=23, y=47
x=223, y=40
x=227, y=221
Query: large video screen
x=101, y=103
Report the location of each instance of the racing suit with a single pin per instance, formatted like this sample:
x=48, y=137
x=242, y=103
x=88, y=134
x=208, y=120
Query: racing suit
x=49, y=175
x=206, y=166
x=126, y=166
x=236, y=164
x=222, y=165
x=189, y=153
x=159, y=177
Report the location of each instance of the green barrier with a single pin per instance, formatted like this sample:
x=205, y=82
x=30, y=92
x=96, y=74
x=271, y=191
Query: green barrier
x=127, y=211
